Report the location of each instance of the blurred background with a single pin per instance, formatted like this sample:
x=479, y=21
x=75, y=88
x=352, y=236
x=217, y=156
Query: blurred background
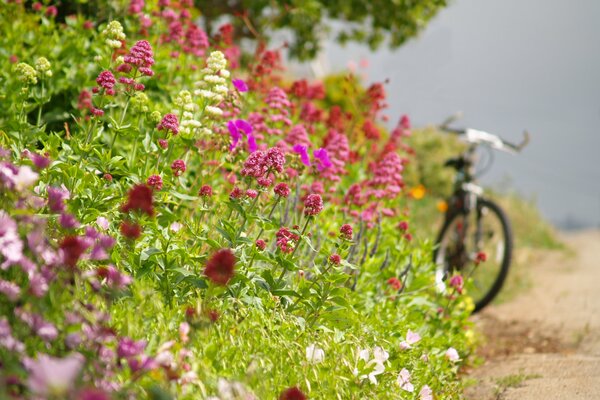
x=508, y=65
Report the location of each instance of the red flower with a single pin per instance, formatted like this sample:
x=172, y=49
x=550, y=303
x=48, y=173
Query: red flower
x=139, y=198
x=261, y=244
x=395, y=283
x=403, y=226
x=178, y=167
x=335, y=259
x=220, y=267
x=131, y=230
x=481, y=257
x=293, y=393
x=72, y=247
x=205, y=191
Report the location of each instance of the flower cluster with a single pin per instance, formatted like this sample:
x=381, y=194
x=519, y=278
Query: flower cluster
x=114, y=34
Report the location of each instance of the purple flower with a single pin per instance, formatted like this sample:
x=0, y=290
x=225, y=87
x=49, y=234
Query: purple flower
x=243, y=126
x=49, y=375
x=11, y=246
x=39, y=161
x=68, y=221
x=302, y=150
x=322, y=158
x=130, y=348
x=56, y=198
x=240, y=85
x=10, y=290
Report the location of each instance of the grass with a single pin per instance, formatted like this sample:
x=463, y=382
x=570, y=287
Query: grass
x=512, y=381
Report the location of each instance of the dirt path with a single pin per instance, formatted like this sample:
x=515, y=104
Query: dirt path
x=545, y=343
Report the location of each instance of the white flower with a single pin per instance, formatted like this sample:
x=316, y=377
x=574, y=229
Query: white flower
x=373, y=366
x=411, y=338
x=380, y=355
x=214, y=110
x=102, y=222
x=315, y=354
x=426, y=393
x=452, y=354
x=404, y=380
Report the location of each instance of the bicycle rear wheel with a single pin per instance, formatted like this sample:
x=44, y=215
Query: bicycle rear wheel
x=486, y=229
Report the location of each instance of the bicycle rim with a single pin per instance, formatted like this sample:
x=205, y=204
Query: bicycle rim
x=462, y=238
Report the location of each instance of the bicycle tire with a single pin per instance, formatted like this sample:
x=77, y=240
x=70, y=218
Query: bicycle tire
x=503, y=266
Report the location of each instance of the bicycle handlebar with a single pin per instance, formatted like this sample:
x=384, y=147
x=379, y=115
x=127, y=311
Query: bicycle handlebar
x=481, y=137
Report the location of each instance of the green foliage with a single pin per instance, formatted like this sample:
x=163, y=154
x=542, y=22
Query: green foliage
x=368, y=22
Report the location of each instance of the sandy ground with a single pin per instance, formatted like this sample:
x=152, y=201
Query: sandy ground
x=545, y=342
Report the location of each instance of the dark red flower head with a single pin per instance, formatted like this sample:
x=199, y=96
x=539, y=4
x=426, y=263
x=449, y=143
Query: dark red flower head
x=206, y=191
x=220, y=267
x=139, y=198
x=131, y=230
x=346, y=232
x=72, y=247
x=293, y=393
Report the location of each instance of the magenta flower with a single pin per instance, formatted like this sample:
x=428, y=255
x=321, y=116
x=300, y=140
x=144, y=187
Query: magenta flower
x=235, y=135
x=322, y=158
x=10, y=290
x=261, y=244
x=335, y=259
x=302, y=151
x=68, y=221
x=240, y=85
x=107, y=81
x=53, y=376
x=243, y=126
x=169, y=123
x=457, y=283
x=128, y=347
x=275, y=159
x=313, y=205
x=252, y=146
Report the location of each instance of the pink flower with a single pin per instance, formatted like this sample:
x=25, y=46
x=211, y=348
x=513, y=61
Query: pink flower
x=53, y=376
x=51, y=11
x=298, y=136
x=178, y=167
x=251, y=193
x=404, y=381
x=452, y=355
x=346, y=232
x=107, y=81
x=128, y=347
x=313, y=205
x=155, y=182
x=425, y=393
x=411, y=338
x=275, y=159
x=403, y=226
x=68, y=221
x=169, y=123
x=261, y=244
x=457, y=282
x=140, y=55
x=282, y=190
x=335, y=259
x=240, y=85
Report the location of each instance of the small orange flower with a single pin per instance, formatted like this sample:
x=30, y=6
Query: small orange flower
x=442, y=206
x=418, y=192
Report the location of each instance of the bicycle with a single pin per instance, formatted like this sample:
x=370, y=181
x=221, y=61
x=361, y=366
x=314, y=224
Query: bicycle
x=475, y=227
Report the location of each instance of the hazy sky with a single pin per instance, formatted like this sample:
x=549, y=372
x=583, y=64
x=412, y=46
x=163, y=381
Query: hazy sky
x=509, y=65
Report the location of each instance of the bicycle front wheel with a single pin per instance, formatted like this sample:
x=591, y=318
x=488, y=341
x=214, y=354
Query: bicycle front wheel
x=463, y=236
